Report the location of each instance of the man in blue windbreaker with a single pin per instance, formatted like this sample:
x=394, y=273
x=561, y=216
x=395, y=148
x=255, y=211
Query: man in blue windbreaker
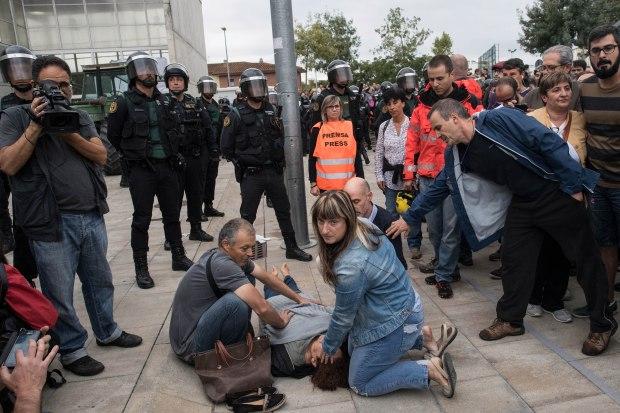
x=510, y=175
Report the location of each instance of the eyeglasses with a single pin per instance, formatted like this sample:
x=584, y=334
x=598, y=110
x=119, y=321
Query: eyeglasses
x=333, y=107
x=549, y=68
x=65, y=85
x=608, y=49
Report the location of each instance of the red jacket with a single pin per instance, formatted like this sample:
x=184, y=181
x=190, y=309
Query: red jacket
x=424, y=151
x=472, y=86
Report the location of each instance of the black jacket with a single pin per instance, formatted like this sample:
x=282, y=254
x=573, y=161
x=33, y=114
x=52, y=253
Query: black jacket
x=383, y=220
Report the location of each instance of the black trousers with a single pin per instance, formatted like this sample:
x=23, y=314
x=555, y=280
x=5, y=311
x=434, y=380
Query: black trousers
x=5, y=192
x=566, y=221
x=551, y=276
x=146, y=182
x=272, y=183
x=23, y=259
x=212, y=168
x=191, y=181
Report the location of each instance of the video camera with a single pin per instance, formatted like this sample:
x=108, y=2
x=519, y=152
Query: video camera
x=58, y=117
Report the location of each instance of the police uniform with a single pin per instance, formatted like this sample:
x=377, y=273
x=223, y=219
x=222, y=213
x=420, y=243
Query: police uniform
x=195, y=143
x=213, y=162
x=144, y=130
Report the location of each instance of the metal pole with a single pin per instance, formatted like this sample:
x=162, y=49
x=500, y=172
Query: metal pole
x=227, y=64
x=286, y=74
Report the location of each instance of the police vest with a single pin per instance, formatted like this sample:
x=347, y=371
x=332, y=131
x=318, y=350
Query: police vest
x=260, y=140
x=190, y=126
x=335, y=152
x=148, y=129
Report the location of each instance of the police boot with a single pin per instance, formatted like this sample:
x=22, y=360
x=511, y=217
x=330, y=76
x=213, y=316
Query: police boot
x=180, y=262
x=143, y=278
x=293, y=252
x=197, y=234
x=212, y=212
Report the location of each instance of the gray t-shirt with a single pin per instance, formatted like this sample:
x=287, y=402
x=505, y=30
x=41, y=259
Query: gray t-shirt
x=194, y=296
x=71, y=182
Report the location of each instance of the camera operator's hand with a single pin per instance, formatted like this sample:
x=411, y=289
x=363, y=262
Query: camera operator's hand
x=28, y=377
x=37, y=108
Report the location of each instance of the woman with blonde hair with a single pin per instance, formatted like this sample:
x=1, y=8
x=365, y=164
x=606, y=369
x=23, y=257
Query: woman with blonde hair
x=331, y=162
x=376, y=306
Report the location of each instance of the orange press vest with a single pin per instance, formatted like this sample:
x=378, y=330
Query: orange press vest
x=335, y=152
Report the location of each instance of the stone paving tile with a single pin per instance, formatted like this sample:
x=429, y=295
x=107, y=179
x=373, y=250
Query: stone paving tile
x=598, y=404
x=488, y=394
x=149, y=401
x=345, y=407
x=143, y=310
x=539, y=375
x=401, y=401
x=602, y=366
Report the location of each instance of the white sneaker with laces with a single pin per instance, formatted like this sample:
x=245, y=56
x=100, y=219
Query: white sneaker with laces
x=562, y=316
x=534, y=310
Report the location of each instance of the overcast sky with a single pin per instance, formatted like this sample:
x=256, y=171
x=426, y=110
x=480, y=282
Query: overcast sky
x=474, y=25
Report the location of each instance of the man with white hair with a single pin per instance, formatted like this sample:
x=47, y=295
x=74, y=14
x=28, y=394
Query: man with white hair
x=555, y=58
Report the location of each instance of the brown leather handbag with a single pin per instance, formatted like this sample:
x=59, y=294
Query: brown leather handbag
x=234, y=368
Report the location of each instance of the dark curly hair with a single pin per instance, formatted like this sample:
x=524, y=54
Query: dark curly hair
x=331, y=376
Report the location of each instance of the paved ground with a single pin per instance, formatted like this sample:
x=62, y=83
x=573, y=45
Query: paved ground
x=541, y=371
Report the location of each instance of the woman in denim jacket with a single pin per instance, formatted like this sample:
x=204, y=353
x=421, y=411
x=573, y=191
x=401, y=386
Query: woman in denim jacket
x=376, y=306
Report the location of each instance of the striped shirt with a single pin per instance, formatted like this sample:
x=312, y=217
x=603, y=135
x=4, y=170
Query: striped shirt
x=601, y=108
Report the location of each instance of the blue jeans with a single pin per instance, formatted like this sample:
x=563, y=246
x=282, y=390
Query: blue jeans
x=227, y=320
x=444, y=233
x=376, y=368
x=288, y=280
x=82, y=250
x=414, y=238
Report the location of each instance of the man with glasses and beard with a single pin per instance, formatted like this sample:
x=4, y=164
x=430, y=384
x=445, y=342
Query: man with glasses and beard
x=600, y=102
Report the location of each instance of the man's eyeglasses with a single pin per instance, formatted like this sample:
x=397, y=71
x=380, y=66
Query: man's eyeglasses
x=549, y=68
x=608, y=49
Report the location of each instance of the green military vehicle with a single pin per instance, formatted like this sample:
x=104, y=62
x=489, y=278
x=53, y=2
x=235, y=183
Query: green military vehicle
x=101, y=84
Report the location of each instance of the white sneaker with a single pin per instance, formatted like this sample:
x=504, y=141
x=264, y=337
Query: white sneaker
x=567, y=296
x=534, y=310
x=561, y=316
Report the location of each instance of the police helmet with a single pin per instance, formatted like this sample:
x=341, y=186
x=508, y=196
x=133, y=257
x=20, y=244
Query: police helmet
x=407, y=79
x=140, y=63
x=385, y=86
x=224, y=101
x=176, y=69
x=403, y=201
x=339, y=72
x=16, y=64
x=208, y=85
x=355, y=90
x=273, y=98
x=253, y=83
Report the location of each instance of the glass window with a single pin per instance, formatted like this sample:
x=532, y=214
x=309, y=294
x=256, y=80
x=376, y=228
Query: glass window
x=18, y=14
x=158, y=35
x=29, y=2
x=155, y=13
x=83, y=59
x=44, y=39
x=7, y=34
x=136, y=36
x=69, y=2
x=101, y=14
x=70, y=15
x=22, y=36
x=100, y=1
x=74, y=37
x=131, y=13
x=70, y=61
x=5, y=11
x=105, y=37
x=106, y=57
x=40, y=16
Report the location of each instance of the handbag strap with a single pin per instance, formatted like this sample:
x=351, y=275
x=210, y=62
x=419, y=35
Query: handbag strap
x=218, y=293
x=225, y=356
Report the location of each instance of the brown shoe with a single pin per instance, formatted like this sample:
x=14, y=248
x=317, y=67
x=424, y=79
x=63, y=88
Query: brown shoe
x=596, y=343
x=500, y=329
x=415, y=253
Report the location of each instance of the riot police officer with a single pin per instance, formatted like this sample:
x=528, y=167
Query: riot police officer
x=381, y=112
x=207, y=87
x=195, y=139
x=339, y=76
x=141, y=125
x=16, y=69
x=253, y=139
x=407, y=80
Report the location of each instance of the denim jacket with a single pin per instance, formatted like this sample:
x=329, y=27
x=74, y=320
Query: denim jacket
x=482, y=205
x=374, y=295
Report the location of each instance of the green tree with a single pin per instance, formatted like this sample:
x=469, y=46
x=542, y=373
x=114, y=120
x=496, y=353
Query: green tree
x=400, y=37
x=550, y=22
x=326, y=37
x=442, y=44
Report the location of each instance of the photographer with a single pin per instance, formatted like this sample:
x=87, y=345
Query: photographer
x=59, y=196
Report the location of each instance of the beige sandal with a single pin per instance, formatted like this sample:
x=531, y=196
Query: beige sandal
x=448, y=334
x=447, y=371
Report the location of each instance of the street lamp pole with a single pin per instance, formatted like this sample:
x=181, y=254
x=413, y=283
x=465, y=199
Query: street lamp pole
x=227, y=64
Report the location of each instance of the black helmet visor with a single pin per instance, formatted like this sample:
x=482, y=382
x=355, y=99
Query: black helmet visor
x=207, y=86
x=341, y=74
x=16, y=67
x=254, y=86
x=141, y=65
